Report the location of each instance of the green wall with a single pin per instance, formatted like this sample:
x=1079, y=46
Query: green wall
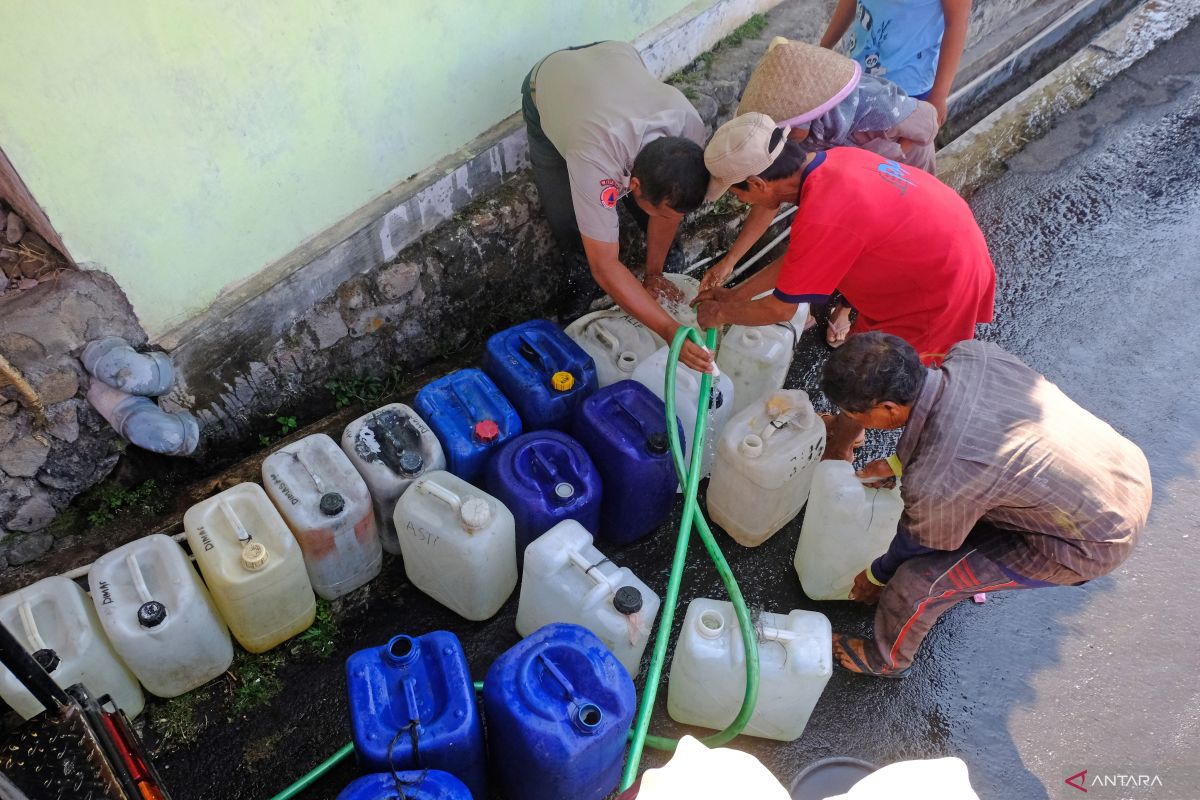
x=185, y=145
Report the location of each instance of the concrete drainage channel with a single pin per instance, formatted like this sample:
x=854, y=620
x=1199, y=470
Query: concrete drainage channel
x=271, y=743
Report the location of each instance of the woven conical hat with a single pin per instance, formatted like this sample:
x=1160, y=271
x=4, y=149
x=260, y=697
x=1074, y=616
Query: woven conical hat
x=797, y=82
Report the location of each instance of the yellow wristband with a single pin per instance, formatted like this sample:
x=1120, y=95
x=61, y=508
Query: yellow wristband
x=871, y=577
x=894, y=462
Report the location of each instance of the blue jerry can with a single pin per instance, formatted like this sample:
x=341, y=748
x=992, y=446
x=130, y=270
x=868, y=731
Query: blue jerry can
x=544, y=478
x=414, y=697
x=559, y=706
x=426, y=784
x=542, y=370
x=623, y=427
x=471, y=418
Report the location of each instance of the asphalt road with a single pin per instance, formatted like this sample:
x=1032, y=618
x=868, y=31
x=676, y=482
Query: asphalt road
x=1095, y=231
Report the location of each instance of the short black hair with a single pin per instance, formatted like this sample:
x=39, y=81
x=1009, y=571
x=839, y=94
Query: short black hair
x=872, y=368
x=671, y=170
x=789, y=161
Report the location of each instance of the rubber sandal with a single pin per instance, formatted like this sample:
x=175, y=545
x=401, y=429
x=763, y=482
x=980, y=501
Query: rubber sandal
x=857, y=661
x=837, y=329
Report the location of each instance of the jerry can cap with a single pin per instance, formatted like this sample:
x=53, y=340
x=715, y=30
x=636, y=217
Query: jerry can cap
x=564, y=490
x=151, y=614
x=475, y=513
x=332, y=504
x=627, y=600
x=47, y=659
x=411, y=462
x=658, y=443
x=486, y=431
x=254, y=556
x=562, y=381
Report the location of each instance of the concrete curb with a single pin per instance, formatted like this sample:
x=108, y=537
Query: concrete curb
x=979, y=154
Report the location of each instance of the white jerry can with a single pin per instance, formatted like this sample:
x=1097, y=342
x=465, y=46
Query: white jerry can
x=159, y=617
x=708, y=673
x=651, y=372
x=765, y=461
x=566, y=579
x=757, y=360
x=459, y=544
x=681, y=310
x=325, y=503
x=391, y=447
x=56, y=622
x=252, y=565
x=846, y=527
x=616, y=342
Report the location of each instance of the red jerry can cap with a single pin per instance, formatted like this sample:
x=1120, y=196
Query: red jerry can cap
x=487, y=431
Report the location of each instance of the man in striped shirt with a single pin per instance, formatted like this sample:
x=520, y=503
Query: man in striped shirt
x=1007, y=484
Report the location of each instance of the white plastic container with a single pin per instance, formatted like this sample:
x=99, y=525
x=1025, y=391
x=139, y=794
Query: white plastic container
x=616, y=342
x=708, y=673
x=459, y=544
x=252, y=565
x=766, y=458
x=651, y=372
x=159, y=617
x=757, y=360
x=566, y=579
x=681, y=311
x=55, y=621
x=846, y=527
x=391, y=447
x=325, y=503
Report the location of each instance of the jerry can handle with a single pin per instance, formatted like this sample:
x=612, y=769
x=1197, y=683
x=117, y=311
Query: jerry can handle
x=410, y=701
x=591, y=569
x=633, y=417
x=606, y=338
x=31, y=630
x=795, y=334
x=317, y=482
x=546, y=467
x=441, y=493
x=530, y=353
x=781, y=421
x=769, y=633
x=139, y=580
x=239, y=530
x=568, y=689
x=472, y=411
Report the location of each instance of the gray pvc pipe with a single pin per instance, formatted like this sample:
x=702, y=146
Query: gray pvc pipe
x=115, y=362
x=143, y=423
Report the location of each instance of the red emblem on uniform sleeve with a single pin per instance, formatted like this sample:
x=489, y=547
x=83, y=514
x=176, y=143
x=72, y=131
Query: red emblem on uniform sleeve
x=609, y=193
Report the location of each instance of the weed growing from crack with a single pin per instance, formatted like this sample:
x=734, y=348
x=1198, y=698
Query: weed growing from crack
x=364, y=387
x=175, y=722
x=750, y=29
x=141, y=501
x=699, y=68
x=320, y=639
x=256, y=680
x=287, y=426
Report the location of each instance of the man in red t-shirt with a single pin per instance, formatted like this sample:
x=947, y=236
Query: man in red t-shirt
x=900, y=245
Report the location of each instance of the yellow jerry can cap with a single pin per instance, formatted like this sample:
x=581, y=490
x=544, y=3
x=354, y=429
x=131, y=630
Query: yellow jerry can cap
x=562, y=381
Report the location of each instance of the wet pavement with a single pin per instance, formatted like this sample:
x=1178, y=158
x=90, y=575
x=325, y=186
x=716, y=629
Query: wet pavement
x=1095, y=231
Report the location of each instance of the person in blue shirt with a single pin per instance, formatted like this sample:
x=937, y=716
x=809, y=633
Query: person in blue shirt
x=916, y=44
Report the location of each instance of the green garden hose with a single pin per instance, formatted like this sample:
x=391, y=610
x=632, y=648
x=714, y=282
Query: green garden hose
x=315, y=773
x=690, y=478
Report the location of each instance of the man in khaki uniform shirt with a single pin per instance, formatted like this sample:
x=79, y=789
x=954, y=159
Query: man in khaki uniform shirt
x=603, y=130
